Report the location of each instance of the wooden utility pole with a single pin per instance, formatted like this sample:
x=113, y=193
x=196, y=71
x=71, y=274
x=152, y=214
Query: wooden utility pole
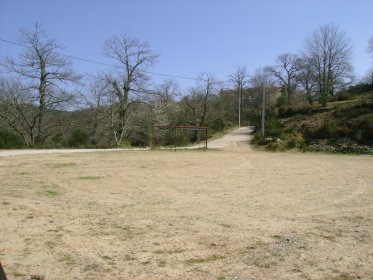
x=263, y=108
x=239, y=106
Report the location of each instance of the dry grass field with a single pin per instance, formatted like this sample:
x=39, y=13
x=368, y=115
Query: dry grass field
x=233, y=213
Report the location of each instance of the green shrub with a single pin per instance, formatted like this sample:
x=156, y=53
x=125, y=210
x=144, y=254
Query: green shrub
x=330, y=129
x=178, y=139
x=58, y=140
x=139, y=138
x=274, y=128
x=359, y=136
x=9, y=140
x=294, y=142
x=78, y=138
x=217, y=124
x=295, y=110
x=282, y=100
x=360, y=88
x=324, y=98
x=352, y=91
x=276, y=146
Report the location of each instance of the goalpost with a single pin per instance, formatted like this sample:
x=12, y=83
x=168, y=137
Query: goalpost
x=171, y=132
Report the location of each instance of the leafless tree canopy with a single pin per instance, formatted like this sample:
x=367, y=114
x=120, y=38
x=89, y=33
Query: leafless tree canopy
x=198, y=100
x=330, y=55
x=285, y=70
x=370, y=46
x=45, y=73
x=239, y=78
x=128, y=83
x=305, y=77
x=262, y=76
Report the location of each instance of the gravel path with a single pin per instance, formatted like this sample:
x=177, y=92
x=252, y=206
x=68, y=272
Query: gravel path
x=232, y=139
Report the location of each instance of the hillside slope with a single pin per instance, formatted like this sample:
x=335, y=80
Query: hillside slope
x=343, y=126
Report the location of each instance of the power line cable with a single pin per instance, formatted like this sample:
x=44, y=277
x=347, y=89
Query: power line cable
x=106, y=64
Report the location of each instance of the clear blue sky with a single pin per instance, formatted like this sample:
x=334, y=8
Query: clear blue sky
x=191, y=36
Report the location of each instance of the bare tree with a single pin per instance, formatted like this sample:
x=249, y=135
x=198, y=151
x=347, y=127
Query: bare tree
x=128, y=84
x=305, y=77
x=239, y=79
x=262, y=76
x=163, y=104
x=16, y=109
x=330, y=54
x=94, y=104
x=197, y=102
x=45, y=72
x=368, y=77
x=261, y=80
x=370, y=46
x=285, y=72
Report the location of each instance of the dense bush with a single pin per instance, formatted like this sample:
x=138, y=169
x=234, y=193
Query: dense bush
x=276, y=146
x=139, y=138
x=78, y=138
x=217, y=124
x=351, y=91
x=295, y=142
x=274, y=128
x=59, y=141
x=330, y=129
x=9, y=140
x=176, y=140
x=363, y=131
x=293, y=110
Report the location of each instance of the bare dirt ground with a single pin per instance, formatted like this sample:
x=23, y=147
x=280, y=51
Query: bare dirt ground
x=233, y=213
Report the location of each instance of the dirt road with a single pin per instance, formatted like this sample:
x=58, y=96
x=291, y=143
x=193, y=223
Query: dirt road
x=233, y=213
x=232, y=140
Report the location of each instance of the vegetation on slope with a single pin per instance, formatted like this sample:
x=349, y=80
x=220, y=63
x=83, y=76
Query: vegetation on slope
x=344, y=125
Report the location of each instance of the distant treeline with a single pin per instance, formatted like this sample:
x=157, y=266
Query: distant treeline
x=44, y=103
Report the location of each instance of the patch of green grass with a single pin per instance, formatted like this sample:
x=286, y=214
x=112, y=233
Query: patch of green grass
x=50, y=244
x=169, y=252
x=343, y=276
x=204, y=260
x=61, y=164
x=162, y=263
x=50, y=191
x=66, y=258
x=23, y=173
x=262, y=264
x=18, y=274
x=328, y=237
x=89, y=178
x=54, y=230
x=28, y=241
x=106, y=257
x=128, y=258
x=225, y=225
x=339, y=233
x=145, y=263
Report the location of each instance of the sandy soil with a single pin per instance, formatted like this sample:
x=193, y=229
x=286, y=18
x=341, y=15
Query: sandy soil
x=233, y=213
